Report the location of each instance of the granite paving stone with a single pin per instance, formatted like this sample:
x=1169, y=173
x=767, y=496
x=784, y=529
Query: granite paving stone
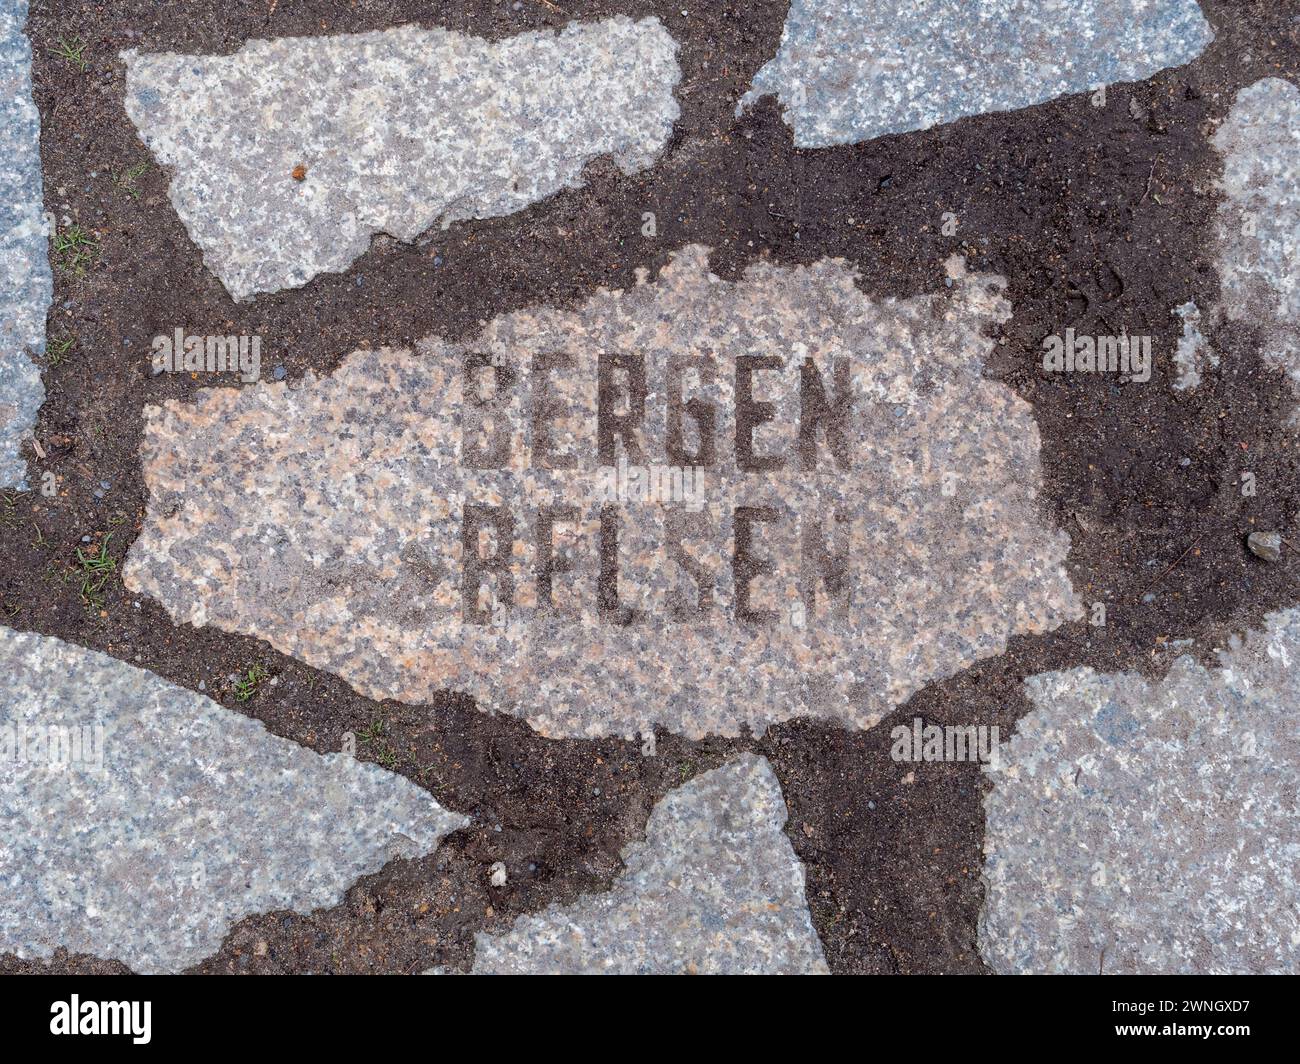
x=714, y=889
x=834, y=510
x=139, y=821
x=26, y=284
x=1258, y=230
x=1140, y=826
x=290, y=154
x=850, y=70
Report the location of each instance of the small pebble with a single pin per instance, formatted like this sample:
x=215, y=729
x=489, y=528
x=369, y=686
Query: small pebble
x=498, y=875
x=278, y=373
x=1265, y=545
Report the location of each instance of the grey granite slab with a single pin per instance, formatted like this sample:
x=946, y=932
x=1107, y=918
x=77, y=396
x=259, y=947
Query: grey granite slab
x=864, y=519
x=715, y=888
x=851, y=70
x=26, y=284
x=288, y=155
x=1259, y=218
x=139, y=821
x=1151, y=827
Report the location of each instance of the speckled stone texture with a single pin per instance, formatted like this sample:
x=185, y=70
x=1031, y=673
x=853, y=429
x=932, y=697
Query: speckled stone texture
x=394, y=129
x=1193, y=353
x=328, y=516
x=715, y=889
x=26, y=285
x=1259, y=218
x=1140, y=827
x=850, y=70
x=194, y=816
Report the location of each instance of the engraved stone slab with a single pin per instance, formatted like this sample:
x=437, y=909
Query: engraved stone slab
x=851, y=70
x=139, y=821
x=715, y=889
x=700, y=504
x=290, y=154
x=1138, y=827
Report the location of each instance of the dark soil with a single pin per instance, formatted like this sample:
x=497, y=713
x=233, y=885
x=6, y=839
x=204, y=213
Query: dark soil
x=1099, y=217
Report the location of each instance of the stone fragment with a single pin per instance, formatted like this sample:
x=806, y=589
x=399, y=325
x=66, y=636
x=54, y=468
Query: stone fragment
x=141, y=821
x=1140, y=828
x=290, y=154
x=793, y=500
x=26, y=285
x=1259, y=217
x=851, y=70
x=714, y=889
x=1193, y=353
x=1266, y=545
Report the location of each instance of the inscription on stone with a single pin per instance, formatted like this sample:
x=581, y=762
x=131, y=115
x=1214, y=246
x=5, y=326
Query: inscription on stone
x=698, y=504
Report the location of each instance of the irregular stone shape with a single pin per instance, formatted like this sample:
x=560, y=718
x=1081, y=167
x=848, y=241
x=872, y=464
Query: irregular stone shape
x=1139, y=827
x=329, y=517
x=1259, y=255
x=1265, y=545
x=26, y=285
x=851, y=70
x=290, y=154
x=171, y=818
x=353, y=556
x=715, y=889
x=1193, y=353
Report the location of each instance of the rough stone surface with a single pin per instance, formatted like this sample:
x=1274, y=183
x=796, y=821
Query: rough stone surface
x=191, y=818
x=850, y=70
x=1193, y=352
x=342, y=544
x=715, y=888
x=26, y=285
x=1266, y=545
x=290, y=154
x=1259, y=218
x=1140, y=827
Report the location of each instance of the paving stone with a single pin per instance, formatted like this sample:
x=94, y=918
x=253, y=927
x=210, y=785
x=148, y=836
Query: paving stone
x=139, y=821
x=1139, y=827
x=290, y=154
x=715, y=888
x=1259, y=217
x=903, y=535
x=851, y=70
x=26, y=285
